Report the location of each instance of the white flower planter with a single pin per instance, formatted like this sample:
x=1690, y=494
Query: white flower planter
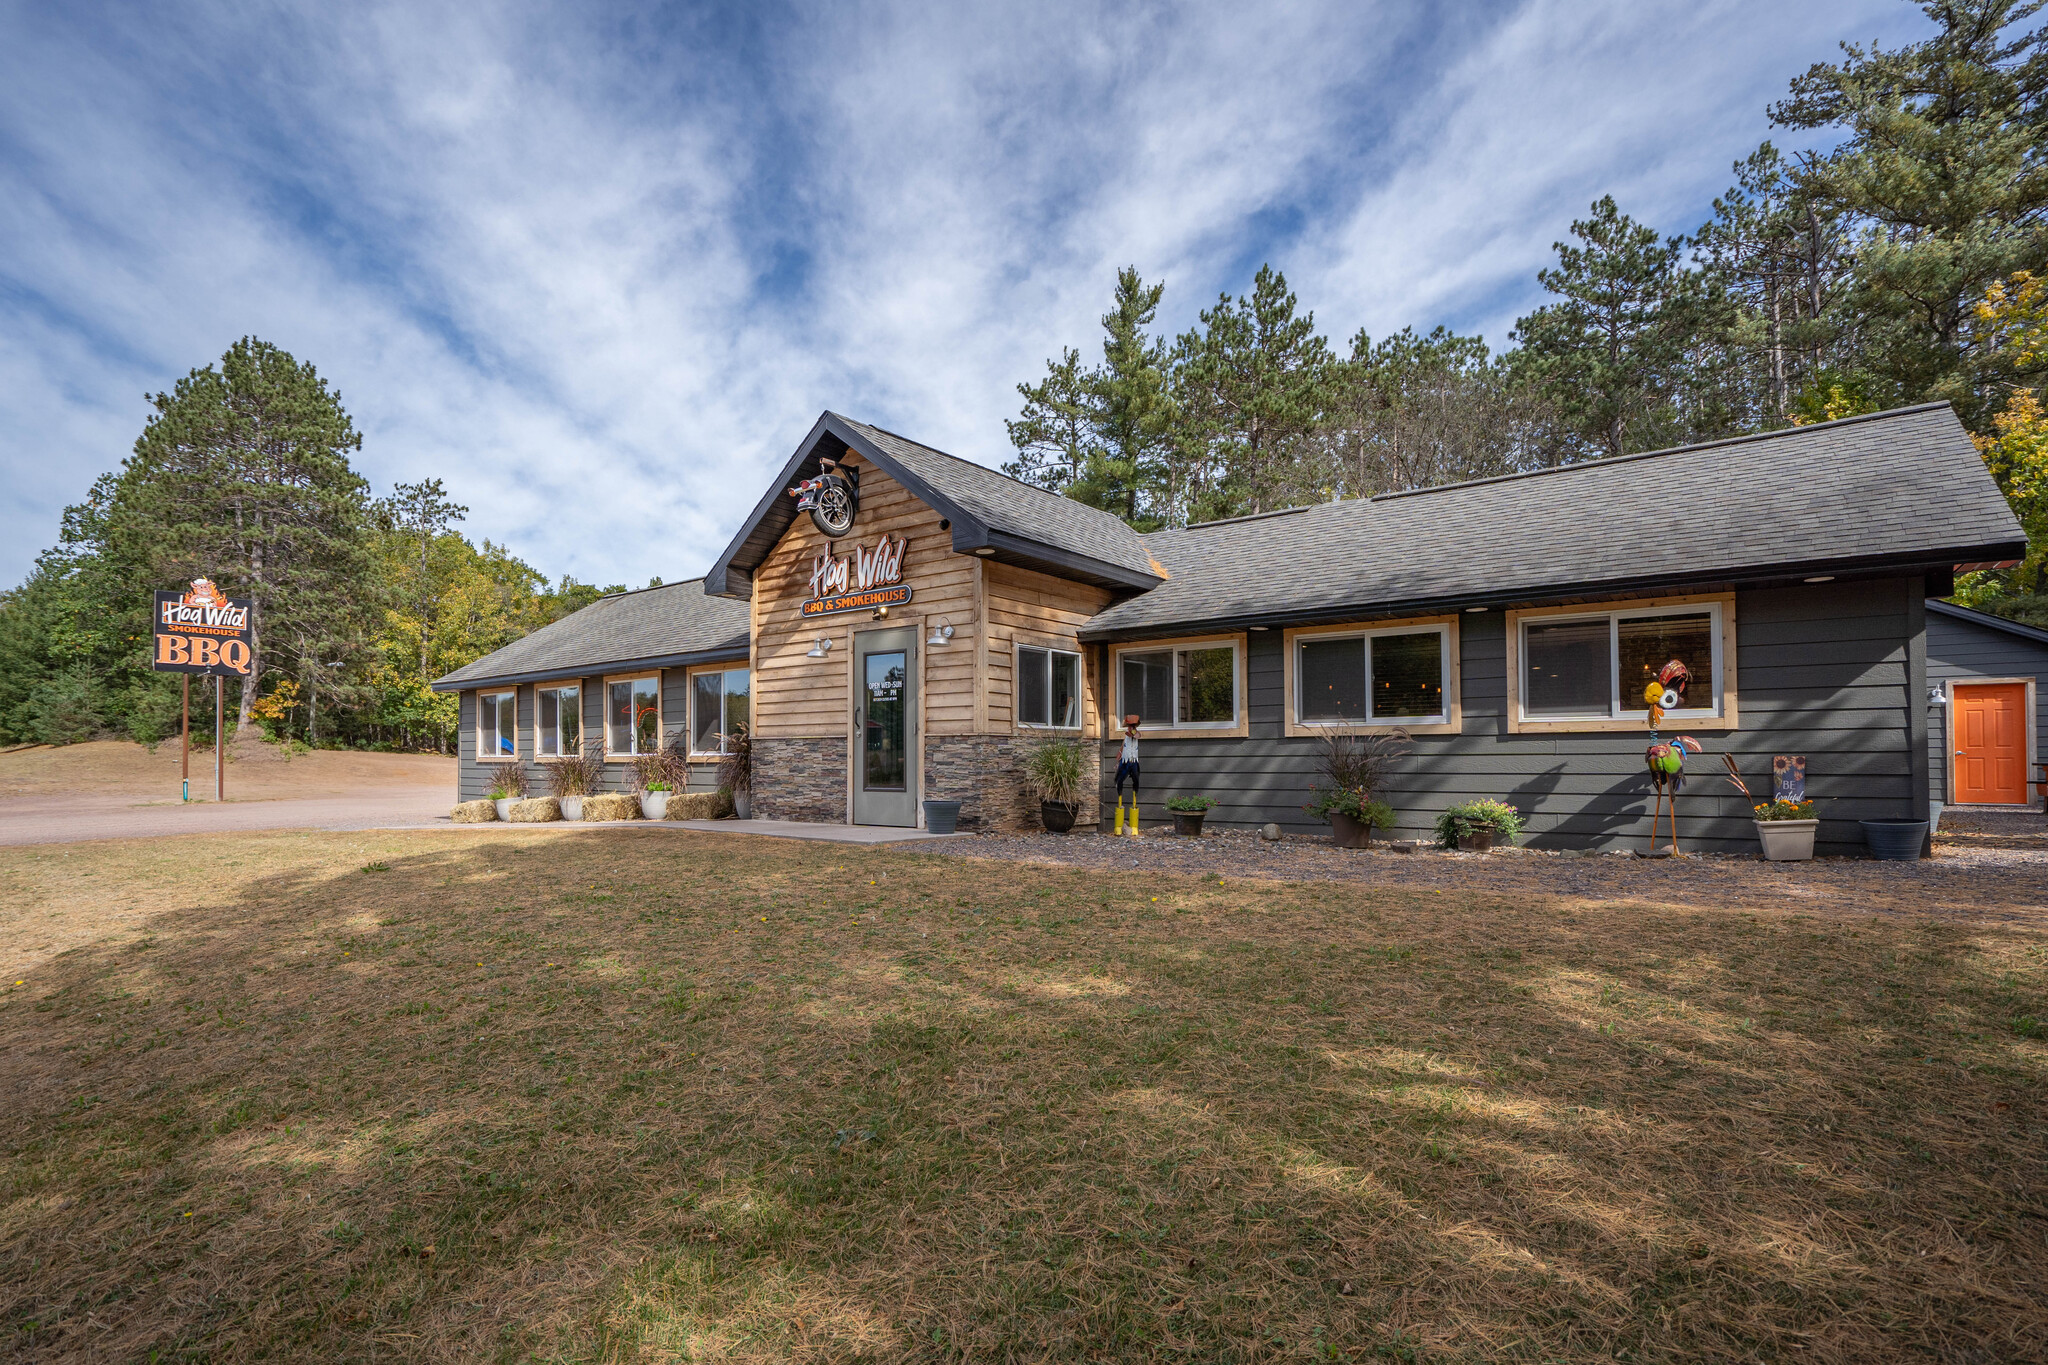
x=504, y=805
x=654, y=805
x=1786, y=841
x=572, y=807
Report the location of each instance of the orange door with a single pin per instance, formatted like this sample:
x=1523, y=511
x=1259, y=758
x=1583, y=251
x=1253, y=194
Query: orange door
x=1991, y=744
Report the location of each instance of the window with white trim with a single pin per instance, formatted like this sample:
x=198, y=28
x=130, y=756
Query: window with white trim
x=1048, y=688
x=1596, y=667
x=558, y=732
x=1390, y=677
x=1188, y=687
x=719, y=701
x=497, y=725
x=632, y=716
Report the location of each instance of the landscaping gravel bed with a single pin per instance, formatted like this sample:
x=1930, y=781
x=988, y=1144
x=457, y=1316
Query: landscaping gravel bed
x=1986, y=866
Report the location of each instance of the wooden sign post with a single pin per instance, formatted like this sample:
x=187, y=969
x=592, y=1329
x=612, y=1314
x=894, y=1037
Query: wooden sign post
x=185, y=739
x=199, y=631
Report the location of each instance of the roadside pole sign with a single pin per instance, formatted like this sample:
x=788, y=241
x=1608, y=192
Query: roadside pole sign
x=199, y=631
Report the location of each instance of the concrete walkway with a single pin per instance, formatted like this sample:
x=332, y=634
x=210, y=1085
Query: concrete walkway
x=824, y=834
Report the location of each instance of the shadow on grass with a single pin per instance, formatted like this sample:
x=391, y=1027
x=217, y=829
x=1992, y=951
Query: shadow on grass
x=613, y=1098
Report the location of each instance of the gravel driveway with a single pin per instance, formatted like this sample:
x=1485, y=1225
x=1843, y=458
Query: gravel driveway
x=1986, y=866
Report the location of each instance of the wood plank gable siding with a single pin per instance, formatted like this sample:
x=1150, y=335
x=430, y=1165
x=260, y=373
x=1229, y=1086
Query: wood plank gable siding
x=1959, y=651
x=1824, y=671
x=798, y=697
x=473, y=778
x=1025, y=607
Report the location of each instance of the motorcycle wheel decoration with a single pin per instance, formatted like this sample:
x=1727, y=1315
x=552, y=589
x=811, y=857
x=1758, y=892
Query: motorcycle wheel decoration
x=832, y=499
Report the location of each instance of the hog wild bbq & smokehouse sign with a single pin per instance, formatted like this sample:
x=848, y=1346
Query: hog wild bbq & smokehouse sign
x=862, y=580
x=199, y=631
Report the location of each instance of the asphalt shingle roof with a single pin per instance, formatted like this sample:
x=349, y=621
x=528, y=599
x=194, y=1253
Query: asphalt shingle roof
x=628, y=628
x=1008, y=505
x=1900, y=485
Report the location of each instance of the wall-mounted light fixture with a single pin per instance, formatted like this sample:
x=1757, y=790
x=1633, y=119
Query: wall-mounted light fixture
x=820, y=647
x=1937, y=696
x=880, y=613
x=942, y=631
x=1822, y=578
x=1475, y=609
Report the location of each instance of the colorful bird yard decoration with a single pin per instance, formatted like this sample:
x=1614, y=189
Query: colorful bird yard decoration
x=1666, y=760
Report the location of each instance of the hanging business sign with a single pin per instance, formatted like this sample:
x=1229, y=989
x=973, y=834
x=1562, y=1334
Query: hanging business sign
x=199, y=631
x=863, y=579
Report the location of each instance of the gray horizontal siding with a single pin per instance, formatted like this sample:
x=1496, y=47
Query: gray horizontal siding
x=1958, y=651
x=473, y=779
x=1821, y=671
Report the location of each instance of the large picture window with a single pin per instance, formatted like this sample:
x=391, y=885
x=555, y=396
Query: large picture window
x=718, y=707
x=497, y=725
x=632, y=716
x=1595, y=667
x=1398, y=677
x=560, y=732
x=1192, y=686
x=1048, y=688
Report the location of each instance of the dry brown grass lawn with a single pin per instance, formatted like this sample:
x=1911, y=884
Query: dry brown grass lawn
x=607, y=1097
x=120, y=768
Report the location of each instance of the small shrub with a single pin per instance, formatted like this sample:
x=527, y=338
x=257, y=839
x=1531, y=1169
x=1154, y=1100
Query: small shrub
x=1357, y=805
x=1468, y=817
x=1058, y=770
x=1190, y=805
x=1784, y=810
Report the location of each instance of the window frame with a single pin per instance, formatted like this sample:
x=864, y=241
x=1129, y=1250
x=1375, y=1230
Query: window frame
x=1725, y=716
x=1450, y=722
x=581, y=729
x=690, y=704
x=494, y=756
x=1017, y=648
x=1239, y=728
x=612, y=755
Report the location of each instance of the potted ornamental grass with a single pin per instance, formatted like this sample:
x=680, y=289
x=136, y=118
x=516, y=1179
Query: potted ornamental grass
x=1187, y=812
x=575, y=776
x=1356, y=764
x=1057, y=770
x=736, y=769
x=1351, y=815
x=658, y=776
x=1785, y=830
x=508, y=784
x=1475, y=826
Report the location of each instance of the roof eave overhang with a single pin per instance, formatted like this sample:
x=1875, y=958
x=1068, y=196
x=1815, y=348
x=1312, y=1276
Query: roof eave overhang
x=721, y=654
x=732, y=574
x=1868, y=566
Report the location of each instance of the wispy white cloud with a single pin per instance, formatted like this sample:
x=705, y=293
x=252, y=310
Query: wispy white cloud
x=599, y=272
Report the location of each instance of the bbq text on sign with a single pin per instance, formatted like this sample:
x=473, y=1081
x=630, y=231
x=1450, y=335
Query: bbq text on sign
x=199, y=631
x=862, y=579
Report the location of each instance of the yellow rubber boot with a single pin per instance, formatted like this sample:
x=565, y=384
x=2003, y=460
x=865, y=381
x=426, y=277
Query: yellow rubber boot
x=1119, y=812
x=1134, y=814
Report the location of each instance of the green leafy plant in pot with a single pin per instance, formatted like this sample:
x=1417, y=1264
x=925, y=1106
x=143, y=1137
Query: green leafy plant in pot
x=1476, y=826
x=1058, y=770
x=508, y=784
x=1187, y=812
x=1356, y=764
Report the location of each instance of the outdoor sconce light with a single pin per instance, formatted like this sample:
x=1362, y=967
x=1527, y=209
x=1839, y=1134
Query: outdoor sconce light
x=1937, y=696
x=880, y=613
x=820, y=647
x=941, y=632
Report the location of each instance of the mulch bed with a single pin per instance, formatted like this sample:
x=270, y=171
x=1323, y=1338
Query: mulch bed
x=1989, y=865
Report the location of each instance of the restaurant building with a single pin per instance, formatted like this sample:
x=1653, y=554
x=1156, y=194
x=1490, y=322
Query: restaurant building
x=932, y=621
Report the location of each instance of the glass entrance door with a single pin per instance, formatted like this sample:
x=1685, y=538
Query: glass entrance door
x=885, y=728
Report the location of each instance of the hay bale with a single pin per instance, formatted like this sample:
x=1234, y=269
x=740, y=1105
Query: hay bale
x=474, y=813
x=611, y=806
x=696, y=805
x=533, y=812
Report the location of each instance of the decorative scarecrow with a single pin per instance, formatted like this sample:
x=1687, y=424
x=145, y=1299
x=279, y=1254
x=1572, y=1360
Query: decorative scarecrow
x=1667, y=760
x=1127, y=769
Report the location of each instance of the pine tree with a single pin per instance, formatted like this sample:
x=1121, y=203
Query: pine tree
x=1609, y=354
x=243, y=476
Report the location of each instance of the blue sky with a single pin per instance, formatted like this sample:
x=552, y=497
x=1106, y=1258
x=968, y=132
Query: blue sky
x=599, y=267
